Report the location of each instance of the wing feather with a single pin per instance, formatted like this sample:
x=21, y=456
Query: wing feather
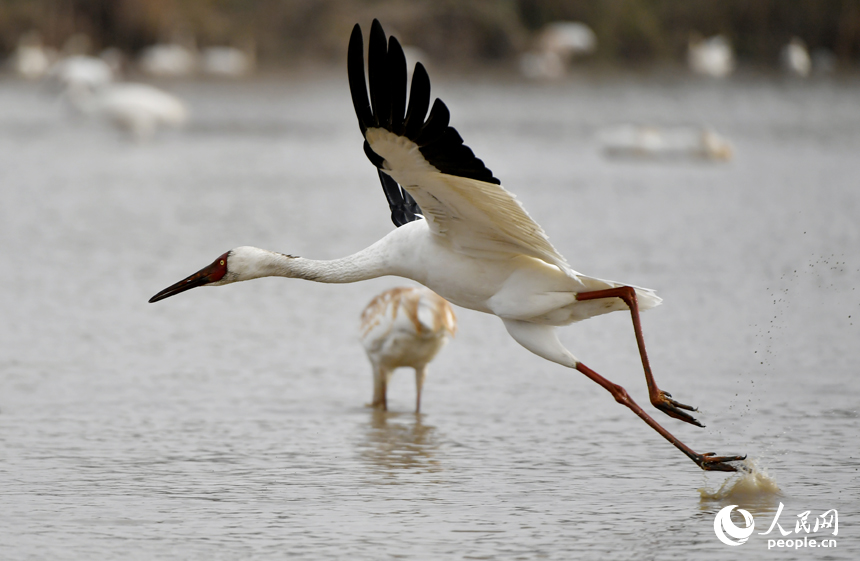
x=419, y=102
x=477, y=218
x=463, y=202
x=377, y=74
x=396, y=67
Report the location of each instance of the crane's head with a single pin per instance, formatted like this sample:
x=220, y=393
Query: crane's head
x=238, y=264
x=216, y=273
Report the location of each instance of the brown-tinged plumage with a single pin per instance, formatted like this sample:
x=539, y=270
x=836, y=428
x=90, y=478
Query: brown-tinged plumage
x=404, y=326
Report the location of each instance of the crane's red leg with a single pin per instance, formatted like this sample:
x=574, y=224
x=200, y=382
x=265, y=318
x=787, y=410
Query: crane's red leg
x=709, y=461
x=660, y=399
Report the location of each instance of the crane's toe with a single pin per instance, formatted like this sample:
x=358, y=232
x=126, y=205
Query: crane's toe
x=669, y=406
x=712, y=462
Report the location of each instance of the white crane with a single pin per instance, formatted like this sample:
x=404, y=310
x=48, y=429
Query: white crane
x=82, y=71
x=31, y=59
x=460, y=233
x=170, y=60
x=645, y=141
x=795, y=58
x=555, y=47
x=227, y=62
x=404, y=326
x=139, y=109
x=711, y=57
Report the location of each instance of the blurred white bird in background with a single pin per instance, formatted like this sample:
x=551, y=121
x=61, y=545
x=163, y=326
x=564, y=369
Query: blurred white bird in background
x=76, y=68
x=555, y=46
x=568, y=38
x=139, y=109
x=81, y=71
x=227, y=62
x=643, y=141
x=32, y=60
x=168, y=60
x=795, y=58
x=710, y=57
x=404, y=327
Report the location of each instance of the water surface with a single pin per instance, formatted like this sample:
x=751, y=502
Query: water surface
x=229, y=423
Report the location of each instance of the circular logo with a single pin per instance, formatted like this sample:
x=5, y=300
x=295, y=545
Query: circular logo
x=723, y=525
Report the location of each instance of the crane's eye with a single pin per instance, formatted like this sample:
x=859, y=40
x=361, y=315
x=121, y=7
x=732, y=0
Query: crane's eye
x=222, y=261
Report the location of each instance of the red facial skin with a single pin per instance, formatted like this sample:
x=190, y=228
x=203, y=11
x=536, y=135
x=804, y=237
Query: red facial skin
x=206, y=275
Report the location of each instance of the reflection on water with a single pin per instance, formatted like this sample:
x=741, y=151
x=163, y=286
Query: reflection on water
x=399, y=441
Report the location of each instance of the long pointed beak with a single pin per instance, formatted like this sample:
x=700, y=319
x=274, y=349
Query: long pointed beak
x=204, y=276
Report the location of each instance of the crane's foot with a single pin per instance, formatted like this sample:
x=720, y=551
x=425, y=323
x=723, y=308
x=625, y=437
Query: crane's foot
x=712, y=462
x=669, y=406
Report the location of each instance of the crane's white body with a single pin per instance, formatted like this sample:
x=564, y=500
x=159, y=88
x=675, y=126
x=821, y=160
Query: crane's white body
x=404, y=327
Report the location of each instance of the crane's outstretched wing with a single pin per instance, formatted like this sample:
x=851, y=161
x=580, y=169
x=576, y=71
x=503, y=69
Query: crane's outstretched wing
x=458, y=196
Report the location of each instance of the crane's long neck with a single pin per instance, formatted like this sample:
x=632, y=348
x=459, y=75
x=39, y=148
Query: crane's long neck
x=253, y=263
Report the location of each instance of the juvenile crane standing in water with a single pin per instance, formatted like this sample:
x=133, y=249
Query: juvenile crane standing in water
x=404, y=326
x=460, y=233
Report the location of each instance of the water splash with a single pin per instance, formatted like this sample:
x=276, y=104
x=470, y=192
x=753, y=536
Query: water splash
x=751, y=484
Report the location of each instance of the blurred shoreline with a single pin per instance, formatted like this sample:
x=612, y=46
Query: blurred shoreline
x=461, y=35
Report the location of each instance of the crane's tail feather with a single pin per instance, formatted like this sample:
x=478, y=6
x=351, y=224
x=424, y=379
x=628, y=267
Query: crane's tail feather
x=646, y=297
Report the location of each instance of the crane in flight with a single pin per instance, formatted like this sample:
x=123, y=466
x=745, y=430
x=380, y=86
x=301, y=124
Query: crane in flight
x=404, y=326
x=459, y=233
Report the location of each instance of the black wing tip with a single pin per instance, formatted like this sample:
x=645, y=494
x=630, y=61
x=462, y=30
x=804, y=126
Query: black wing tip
x=402, y=215
x=403, y=207
x=358, y=80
